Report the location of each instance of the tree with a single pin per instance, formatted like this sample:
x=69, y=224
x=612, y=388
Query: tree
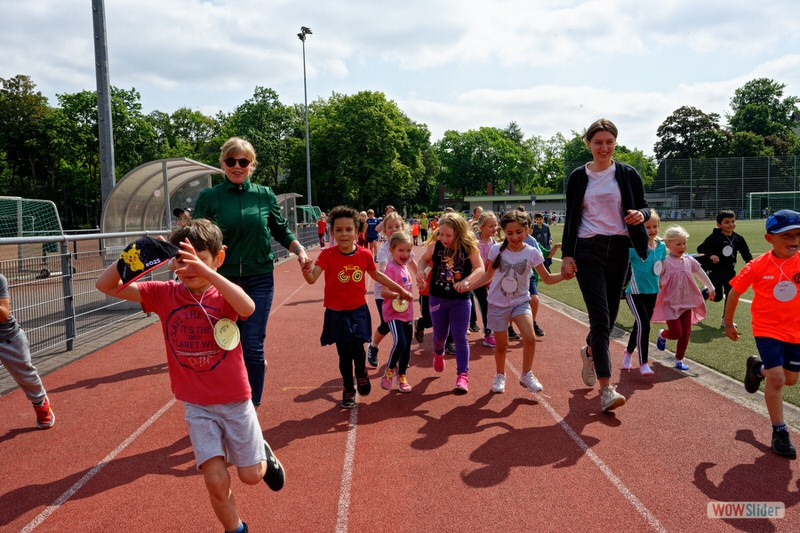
x=759, y=107
x=690, y=133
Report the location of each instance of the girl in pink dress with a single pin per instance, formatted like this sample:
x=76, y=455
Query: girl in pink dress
x=680, y=302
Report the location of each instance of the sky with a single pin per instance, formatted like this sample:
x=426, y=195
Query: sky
x=549, y=65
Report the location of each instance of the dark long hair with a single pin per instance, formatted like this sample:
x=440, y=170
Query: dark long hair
x=515, y=215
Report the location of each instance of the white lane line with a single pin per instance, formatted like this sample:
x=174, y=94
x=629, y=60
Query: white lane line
x=53, y=507
x=604, y=468
x=347, y=473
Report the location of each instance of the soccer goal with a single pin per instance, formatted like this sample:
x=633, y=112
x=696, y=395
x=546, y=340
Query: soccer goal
x=763, y=203
x=21, y=217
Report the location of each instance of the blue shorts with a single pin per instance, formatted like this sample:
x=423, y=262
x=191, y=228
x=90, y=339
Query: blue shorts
x=499, y=318
x=532, y=286
x=776, y=353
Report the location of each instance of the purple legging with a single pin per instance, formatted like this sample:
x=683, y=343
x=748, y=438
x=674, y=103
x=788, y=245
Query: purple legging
x=451, y=315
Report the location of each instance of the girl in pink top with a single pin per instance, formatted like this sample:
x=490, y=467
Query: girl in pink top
x=680, y=302
x=398, y=313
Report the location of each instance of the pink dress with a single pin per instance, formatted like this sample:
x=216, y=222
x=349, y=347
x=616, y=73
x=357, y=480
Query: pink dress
x=679, y=291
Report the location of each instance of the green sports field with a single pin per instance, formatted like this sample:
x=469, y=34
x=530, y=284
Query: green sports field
x=708, y=344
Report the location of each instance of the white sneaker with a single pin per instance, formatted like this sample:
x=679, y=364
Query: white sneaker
x=529, y=381
x=646, y=370
x=499, y=383
x=587, y=369
x=626, y=360
x=611, y=399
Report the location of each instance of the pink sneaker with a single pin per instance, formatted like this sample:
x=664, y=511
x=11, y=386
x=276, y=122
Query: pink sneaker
x=388, y=379
x=438, y=362
x=489, y=341
x=462, y=383
x=402, y=383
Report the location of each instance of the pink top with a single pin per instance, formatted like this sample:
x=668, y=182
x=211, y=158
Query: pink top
x=679, y=291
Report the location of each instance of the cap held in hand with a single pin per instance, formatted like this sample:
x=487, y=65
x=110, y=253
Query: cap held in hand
x=142, y=256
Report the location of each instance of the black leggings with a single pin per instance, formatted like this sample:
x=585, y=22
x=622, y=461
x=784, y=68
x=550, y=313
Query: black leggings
x=352, y=357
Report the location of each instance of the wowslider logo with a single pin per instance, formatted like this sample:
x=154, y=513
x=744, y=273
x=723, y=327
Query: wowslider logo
x=728, y=510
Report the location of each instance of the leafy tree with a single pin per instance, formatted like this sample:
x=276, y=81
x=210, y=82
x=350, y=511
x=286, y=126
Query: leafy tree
x=759, y=107
x=690, y=133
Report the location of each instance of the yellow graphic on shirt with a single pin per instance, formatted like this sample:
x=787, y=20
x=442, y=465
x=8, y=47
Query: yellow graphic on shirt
x=351, y=272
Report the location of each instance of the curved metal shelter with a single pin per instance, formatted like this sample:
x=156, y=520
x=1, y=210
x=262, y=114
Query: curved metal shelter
x=144, y=198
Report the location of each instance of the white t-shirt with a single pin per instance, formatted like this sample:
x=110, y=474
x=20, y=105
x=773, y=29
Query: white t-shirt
x=509, y=287
x=602, y=205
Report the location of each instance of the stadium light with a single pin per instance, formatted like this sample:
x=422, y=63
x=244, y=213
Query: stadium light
x=302, y=36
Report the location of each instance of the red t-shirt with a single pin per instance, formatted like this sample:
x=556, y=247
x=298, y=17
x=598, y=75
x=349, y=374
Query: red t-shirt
x=321, y=226
x=199, y=370
x=772, y=317
x=345, y=286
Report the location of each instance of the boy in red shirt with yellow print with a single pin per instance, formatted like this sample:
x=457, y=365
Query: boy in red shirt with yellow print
x=347, y=320
x=775, y=277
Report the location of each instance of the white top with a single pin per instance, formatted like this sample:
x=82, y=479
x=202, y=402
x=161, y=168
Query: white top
x=509, y=287
x=602, y=205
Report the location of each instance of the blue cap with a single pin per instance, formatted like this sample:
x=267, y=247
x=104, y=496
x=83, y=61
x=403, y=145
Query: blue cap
x=783, y=220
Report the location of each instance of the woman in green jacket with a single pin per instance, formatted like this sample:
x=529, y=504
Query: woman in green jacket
x=248, y=215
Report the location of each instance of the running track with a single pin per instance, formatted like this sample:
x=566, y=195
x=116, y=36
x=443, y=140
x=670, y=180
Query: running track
x=119, y=459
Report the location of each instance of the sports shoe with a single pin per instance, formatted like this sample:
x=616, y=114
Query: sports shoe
x=661, y=342
x=751, y=379
x=587, y=370
x=499, y=384
x=474, y=327
x=462, y=383
x=782, y=444
x=438, y=363
x=388, y=379
x=372, y=355
x=539, y=332
x=348, y=400
x=275, y=477
x=529, y=381
x=45, y=418
x=402, y=383
x=419, y=333
x=450, y=348
x=680, y=365
x=646, y=370
x=626, y=360
x=611, y=399
x=489, y=341
x=363, y=386
x=513, y=335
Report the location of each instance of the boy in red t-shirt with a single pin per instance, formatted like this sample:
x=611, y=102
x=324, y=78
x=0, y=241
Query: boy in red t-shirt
x=204, y=356
x=322, y=229
x=775, y=277
x=347, y=320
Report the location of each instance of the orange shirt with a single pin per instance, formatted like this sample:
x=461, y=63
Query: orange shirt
x=772, y=317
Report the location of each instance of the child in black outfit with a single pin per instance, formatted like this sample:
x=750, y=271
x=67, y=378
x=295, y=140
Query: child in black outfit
x=720, y=249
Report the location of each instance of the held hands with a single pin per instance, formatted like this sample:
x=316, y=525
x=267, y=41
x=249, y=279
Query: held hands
x=568, y=268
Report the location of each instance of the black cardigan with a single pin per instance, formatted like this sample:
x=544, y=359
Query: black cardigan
x=632, y=192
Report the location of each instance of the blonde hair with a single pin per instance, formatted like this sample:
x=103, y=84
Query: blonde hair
x=674, y=233
x=394, y=215
x=463, y=239
x=399, y=237
x=237, y=145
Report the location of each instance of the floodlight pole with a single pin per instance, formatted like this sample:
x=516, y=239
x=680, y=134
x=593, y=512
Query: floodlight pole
x=105, y=131
x=302, y=36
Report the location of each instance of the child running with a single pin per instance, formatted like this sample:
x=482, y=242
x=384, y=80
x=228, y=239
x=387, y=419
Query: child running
x=679, y=302
x=641, y=295
x=453, y=250
x=509, y=296
x=347, y=322
x=487, y=234
x=775, y=277
x=206, y=366
x=397, y=312
x=392, y=223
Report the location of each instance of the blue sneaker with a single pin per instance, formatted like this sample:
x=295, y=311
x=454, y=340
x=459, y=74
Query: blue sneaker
x=680, y=365
x=661, y=342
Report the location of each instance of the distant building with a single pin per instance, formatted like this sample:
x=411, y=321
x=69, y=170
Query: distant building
x=533, y=203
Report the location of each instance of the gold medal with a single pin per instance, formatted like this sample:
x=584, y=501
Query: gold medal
x=399, y=304
x=226, y=333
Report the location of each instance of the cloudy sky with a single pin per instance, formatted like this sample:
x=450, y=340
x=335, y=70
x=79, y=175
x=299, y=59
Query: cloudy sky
x=550, y=65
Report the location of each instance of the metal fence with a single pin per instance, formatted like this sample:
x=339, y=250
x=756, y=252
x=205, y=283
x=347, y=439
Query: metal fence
x=52, y=293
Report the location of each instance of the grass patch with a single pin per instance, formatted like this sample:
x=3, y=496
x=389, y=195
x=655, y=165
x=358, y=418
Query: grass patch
x=708, y=344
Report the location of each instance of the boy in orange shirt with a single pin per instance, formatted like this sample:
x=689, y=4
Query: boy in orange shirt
x=775, y=277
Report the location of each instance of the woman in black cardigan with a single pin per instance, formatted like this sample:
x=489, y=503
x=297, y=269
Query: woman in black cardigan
x=605, y=216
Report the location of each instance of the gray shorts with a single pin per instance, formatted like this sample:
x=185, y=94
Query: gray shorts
x=229, y=430
x=499, y=318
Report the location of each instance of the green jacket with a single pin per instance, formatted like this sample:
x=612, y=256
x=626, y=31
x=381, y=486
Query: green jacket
x=248, y=214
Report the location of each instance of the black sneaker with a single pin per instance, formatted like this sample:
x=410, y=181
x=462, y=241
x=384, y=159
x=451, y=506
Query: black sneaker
x=244, y=528
x=474, y=327
x=449, y=348
x=363, y=386
x=419, y=333
x=513, y=335
x=372, y=355
x=751, y=379
x=537, y=330
x=348, y=400
x=782, y=445
x=275, y=478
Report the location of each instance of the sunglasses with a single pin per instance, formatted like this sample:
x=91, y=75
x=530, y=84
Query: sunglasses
x=231, y=162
